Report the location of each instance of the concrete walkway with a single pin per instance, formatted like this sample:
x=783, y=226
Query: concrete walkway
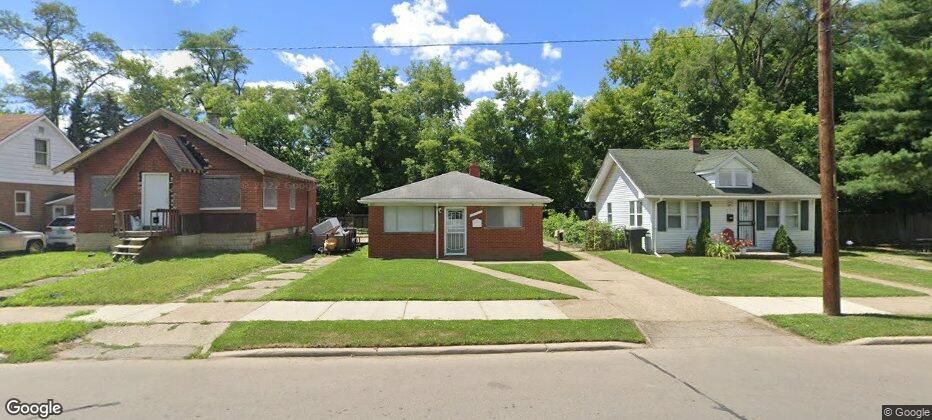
x=672, y=317
x=540, y=284
x=900, y=285
x=792, y=305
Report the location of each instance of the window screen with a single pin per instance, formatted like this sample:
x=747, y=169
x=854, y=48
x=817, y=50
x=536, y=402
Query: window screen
x=791, y=218
x=508, y=217
x=270, y=195
x=742, y=179
x=692, y=214
x=292, y=198
x=773, y=214
x=609, y=209
x=220, y=192
x=725, y=179
x=101, y=199
x=409, y=219
x=674, y=221
x=42, y=152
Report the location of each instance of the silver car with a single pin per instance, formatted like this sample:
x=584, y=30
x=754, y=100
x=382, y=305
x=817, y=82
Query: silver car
x=13, y=239
x=60, y=233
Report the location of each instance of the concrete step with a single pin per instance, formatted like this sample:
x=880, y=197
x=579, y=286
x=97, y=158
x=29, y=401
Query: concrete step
x=142, y=239
x=124, y=254
x=125, y=246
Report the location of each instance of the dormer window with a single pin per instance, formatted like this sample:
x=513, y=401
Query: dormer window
x=737, y=178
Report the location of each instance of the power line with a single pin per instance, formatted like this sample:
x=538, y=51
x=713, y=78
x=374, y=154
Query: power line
x=381, y=46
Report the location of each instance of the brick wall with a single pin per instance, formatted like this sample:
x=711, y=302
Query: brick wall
x=483, y=243
x=40, y=214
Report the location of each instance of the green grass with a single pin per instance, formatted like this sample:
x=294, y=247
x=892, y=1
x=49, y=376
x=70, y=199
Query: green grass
x=358, y=277
x=839, y=329
x=538, y=271
x=551, y=255
x=21, y=269
x=720, y=277
x=857, y=263
x=158, y=281
x=266, y=334
x=36, y=341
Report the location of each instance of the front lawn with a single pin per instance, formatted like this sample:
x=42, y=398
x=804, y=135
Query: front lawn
x=158, y=281
x=16, y=270
x=538, y=271
x=405, y=333
x=860, y=263
x=553, y=255
x=358, y=277
x=839, y=329
x=720, y=277
x=36, y=341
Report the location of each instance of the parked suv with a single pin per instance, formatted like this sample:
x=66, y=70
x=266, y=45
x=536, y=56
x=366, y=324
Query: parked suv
x=60, y=233
x=13, y=239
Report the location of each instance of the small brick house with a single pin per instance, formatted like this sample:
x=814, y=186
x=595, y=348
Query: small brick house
x=456, y=215
x=191, y=185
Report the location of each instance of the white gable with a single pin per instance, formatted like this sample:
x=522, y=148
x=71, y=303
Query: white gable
x=18, y=155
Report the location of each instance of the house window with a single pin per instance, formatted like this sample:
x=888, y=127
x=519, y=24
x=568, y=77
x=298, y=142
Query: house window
x=59, y=211
x=609, y=210
x=674, y=213
x=409, y=219
x=270, y=195
x=42, y=152
x=791, y=217
x=503, y=217
x=692, y=214
x=734, y=179
x=292, y=198
x=101, y=198
x=635, y=213
x=772, y=214
x=220, y=192
x=21, y=203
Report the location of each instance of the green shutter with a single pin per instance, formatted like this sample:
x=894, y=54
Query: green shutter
x=804, y=215
x=706, y=212
x=760, y=216
x=662, y=216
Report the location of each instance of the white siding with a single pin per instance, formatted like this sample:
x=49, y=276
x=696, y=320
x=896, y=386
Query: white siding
x=17, y=156
x=619, y=191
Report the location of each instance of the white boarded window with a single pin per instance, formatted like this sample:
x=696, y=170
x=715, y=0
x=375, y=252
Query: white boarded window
x=692, y=214
x=270, y=195
x=635, y=214
x=674, y=215
x=21, y=203
x=791, y=217
x=504, y=217
x=772, y=212
x=292, y=198
x=220, y=192
x=409, y=219
x=42, y=152
x=101, y=198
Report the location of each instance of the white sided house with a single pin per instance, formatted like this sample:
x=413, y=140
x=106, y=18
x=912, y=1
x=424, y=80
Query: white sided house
x=671, y=192
x=31, y=195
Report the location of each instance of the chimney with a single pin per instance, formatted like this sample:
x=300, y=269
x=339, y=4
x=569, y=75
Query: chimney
x=695, y=143
x=474, y=170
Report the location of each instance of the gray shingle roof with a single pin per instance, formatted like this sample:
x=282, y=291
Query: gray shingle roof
x=673, y=172
x=177, y=153
x=456, y=187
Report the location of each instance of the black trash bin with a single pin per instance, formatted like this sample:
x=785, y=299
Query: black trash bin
x=635, y=237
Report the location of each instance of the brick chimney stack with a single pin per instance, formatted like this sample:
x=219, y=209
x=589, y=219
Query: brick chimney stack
x=474, y=170
x=695, y=143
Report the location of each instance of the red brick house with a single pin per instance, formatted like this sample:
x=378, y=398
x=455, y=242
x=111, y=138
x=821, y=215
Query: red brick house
x=190, y=185
x=456, y=215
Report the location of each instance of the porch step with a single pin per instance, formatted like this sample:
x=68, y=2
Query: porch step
x=142, y=239
x=133, y=247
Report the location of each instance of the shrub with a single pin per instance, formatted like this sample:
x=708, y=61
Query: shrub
x=703, y=238
x=782, y=242
x=690, y=246
x=602, y=236
x=591, y=235
x=574, y=230
x=719, y=248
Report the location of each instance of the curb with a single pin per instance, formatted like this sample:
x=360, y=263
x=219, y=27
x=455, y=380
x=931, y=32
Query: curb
x=430, y=351
x=883, y=341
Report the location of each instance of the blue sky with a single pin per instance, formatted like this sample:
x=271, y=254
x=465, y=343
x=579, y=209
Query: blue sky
x=578, y=67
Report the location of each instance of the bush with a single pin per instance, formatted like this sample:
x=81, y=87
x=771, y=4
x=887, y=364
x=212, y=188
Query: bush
x=782, y=242
x=590, y=235
x=690, y=246
x=703, y=238
x=602, y=236
x=719, y=248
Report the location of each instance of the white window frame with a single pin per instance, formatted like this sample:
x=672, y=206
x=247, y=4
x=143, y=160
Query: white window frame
x=677, y=216
x=428, y=219
x=269, y=185
x=16, y=203
x=292, y=198
x=239, y=207
x=768, y=215
x=791, y=205
x=696, y=216
x=48, y=152
x=731, y=176
x=608, y=211
x=91, y=194
x=635, y=213
x=504, y=225
x=64, y=211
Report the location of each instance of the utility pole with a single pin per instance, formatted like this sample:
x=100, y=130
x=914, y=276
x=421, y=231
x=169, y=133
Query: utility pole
x=831, y=291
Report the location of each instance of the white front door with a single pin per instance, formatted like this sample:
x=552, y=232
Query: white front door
x=454, y=228
x=154, y=196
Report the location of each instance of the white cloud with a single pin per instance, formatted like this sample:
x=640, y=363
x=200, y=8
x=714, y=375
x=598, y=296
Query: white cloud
x=528, y=77
x=6, y=72
x=550, y=52
x=305, y=64
x=466, y=111
x=167, y=62
x=690, y=3
x=488, y=56
x=280, y=84
x=186, y=2
x=422, y=22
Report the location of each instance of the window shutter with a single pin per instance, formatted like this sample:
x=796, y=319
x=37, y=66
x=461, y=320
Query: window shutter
x=760, y=216
x=804, y=215
x=707, y=212
x=662, y=216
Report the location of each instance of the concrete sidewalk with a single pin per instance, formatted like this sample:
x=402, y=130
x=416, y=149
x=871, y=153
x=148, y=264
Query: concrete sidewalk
x=896, y=284
x=792, y=305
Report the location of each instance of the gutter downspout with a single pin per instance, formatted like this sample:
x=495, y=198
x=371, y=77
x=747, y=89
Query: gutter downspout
x=437, y=231
x=653, y=238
